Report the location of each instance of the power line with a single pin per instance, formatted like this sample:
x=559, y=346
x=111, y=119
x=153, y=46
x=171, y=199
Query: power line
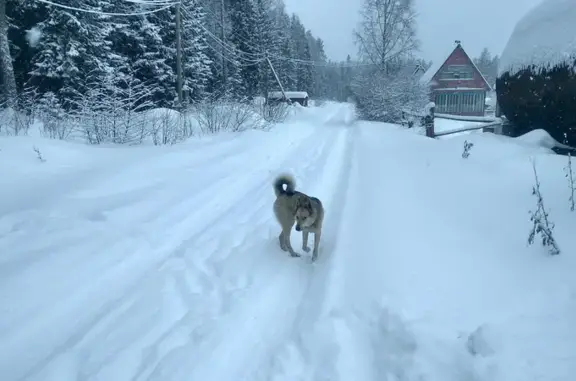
x=166, y=6
x=255, y=58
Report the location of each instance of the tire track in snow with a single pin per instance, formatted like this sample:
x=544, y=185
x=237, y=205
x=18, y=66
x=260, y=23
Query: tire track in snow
x=124, y=275
x=311, y=353
x=67, y=219
x=353, y=335
x=264, y=313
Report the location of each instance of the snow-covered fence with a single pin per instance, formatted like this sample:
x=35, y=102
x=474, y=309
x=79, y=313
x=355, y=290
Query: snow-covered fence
x=427, y=120
x=494, y=127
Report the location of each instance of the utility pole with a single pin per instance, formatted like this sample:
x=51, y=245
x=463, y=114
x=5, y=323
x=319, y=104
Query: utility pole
x=223, y=38
x=276, y=76
x=179, y=79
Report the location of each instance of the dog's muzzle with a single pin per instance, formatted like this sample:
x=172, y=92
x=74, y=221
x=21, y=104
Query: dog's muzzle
x=298, y=228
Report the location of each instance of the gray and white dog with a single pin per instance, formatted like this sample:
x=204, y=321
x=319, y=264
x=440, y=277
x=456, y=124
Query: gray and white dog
x=292, y=207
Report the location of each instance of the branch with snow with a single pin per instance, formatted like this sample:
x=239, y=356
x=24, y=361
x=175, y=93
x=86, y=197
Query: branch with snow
x=39, y=155
x=467, y=147
x=571, y=182
x=539, y=217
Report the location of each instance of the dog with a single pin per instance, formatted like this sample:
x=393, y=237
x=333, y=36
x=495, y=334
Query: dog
x=292, y=207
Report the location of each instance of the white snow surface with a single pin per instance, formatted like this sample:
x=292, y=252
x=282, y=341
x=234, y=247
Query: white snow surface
x=546, y=35
x=289, y=94
x=33, y=36
x=163, y=263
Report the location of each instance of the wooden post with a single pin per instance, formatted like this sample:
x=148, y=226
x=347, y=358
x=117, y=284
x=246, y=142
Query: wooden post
x=429, y=122
x=179, y=54
x=277, y=79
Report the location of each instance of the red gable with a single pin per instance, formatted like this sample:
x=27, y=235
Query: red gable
x=457, y=71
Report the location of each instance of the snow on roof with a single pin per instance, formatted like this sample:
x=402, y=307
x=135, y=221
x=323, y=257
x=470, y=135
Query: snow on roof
x=433, y=69
x=289, y=94
x=545, y=35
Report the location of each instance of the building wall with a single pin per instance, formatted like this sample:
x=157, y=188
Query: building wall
x=463, y=96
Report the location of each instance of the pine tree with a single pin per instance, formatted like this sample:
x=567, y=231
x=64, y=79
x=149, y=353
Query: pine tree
x=159, y=59
x=285, y=66
x=267, y=43
x=24, y=15
x=196, y=62
x=304, y=71
x=243, y=21
x=73, y=51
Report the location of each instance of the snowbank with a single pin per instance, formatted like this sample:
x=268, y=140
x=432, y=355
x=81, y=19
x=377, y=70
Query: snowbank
x=545, y=36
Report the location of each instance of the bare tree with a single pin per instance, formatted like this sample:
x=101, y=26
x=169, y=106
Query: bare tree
x=6, y=67
x=386, y=31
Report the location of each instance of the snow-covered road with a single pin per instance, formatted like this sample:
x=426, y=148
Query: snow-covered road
x=163, y=264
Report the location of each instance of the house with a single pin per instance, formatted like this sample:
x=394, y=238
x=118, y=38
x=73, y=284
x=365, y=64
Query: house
x=457, y=87
x=275, y=97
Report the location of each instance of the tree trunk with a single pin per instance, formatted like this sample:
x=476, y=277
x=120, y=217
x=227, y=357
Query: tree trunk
x=6, y=67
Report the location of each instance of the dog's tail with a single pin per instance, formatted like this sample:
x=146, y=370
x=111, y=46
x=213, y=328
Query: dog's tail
x=282, y=180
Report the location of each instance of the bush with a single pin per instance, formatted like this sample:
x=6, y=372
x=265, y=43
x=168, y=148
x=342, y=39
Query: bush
x=382, y=97
x=540, y=97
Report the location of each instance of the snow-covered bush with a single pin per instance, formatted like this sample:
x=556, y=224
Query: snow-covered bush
x=275, y=113
x=18, y=122
x=226, y=115
x=383, y=97
x=56, y=123
x=536, y=86
x=166, y=126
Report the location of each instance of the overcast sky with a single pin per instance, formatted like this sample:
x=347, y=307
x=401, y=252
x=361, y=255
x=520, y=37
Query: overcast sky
x=477, y=23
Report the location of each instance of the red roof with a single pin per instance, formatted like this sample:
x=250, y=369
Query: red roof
x=431, y=73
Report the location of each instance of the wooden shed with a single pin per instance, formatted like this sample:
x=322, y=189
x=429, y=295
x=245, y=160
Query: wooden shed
x=294, y=96
x=457, y=87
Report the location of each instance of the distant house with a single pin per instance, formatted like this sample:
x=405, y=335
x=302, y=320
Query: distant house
x=275, y=97
x=456, y=85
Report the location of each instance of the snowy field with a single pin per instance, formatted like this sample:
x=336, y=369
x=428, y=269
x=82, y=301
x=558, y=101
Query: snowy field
x=162, y=263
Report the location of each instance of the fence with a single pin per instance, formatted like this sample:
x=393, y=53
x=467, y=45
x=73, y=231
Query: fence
x=493, y=124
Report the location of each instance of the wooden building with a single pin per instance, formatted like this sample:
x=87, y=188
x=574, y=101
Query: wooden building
x=275, y=97
x=457, y=87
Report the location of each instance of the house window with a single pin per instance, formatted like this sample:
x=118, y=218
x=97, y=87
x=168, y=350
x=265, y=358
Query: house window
x=459, y=102
x=441, y=102
x=457, y=72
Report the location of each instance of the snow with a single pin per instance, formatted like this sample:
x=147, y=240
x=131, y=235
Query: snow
x=33, y=36
x=546, y=35
x=162, y=263
x=289, y=94
x=466, y=117
x=436, y=65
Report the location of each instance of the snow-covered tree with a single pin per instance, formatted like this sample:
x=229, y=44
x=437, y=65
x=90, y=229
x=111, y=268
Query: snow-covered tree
x=387, y=32
x=301, y=49
x=243, y=20
x=267, y=43
x=196, y=61
x=6, y=67
x=24, y=35
x=386, y=39
x=487, y=65
x=73, y=51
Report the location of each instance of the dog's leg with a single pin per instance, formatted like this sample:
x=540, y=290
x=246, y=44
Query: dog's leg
x=288, y=244
x=305, y=241
x=282, y=241
x=317, y=236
